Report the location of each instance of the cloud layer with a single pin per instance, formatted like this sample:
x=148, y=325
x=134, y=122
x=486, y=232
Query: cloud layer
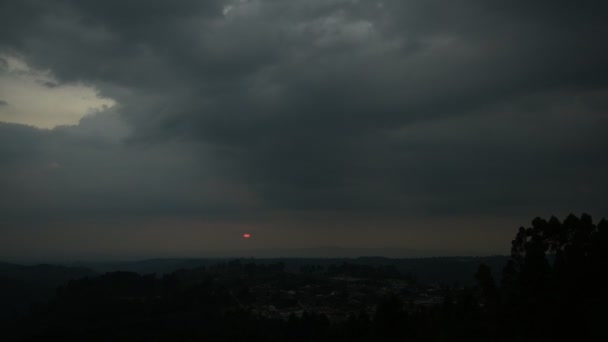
x=274, y=113
x=36, y=99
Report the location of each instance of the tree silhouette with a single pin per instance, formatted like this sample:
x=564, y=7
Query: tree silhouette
x=555, y=278
x=553, y=287
x=487, y=285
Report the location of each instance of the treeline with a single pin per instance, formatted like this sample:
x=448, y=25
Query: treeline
x=552, y=288
x=554, y=285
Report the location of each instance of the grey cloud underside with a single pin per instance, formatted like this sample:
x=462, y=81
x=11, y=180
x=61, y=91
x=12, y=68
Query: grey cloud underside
x=417, y=107
x=65, y=173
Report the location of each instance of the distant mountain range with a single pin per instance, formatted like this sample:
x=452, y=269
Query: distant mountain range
x=448, y=270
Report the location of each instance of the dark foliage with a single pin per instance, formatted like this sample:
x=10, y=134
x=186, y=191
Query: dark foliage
x=552, y=288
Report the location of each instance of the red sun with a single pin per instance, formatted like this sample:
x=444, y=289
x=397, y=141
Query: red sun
x=246, y=235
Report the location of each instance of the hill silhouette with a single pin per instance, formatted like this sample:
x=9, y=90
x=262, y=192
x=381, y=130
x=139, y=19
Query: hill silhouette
x=552, y=287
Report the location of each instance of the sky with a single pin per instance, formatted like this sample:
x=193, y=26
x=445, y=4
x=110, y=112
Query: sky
x=137, y=129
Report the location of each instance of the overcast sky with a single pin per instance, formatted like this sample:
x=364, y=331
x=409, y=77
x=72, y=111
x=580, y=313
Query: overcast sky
x=133, y=129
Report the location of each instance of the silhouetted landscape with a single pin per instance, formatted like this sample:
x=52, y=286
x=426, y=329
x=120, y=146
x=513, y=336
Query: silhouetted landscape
x=552, y=287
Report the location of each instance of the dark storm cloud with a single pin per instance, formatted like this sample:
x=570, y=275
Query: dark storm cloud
x=3, y=103
x=418, y=107
x=62, y=173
